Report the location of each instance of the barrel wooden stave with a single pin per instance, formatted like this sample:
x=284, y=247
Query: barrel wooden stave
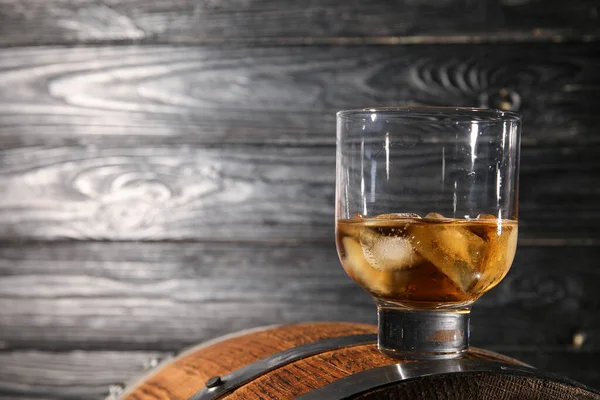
x=303, y=376
x=186, y=374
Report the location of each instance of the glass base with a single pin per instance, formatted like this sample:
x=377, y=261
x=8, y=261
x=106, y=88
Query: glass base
x=423, y=335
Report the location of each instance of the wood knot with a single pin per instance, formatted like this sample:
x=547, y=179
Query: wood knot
x=115, y=392
x=151, y=363
x=502, y=99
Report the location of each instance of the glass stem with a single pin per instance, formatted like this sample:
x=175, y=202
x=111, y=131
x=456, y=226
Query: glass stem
x=410, y=334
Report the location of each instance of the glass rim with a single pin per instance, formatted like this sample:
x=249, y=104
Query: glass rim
x=438, y=113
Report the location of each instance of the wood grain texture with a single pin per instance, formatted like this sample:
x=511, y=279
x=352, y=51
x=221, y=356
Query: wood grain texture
x=185, y=375
x=39, y=375
x=168, y=192
x=228, y=138
x=140, y=191
x=201, y=21
x=217, y=94
x=166, y=296
x=313, y=372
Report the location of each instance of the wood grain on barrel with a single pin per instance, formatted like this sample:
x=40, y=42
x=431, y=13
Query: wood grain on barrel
x=314, y=372
x=200, y=21
x=186, y=374
x=248, y=94
x=32, y=374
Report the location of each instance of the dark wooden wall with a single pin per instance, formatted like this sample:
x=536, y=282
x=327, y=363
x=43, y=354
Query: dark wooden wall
x=167, y=171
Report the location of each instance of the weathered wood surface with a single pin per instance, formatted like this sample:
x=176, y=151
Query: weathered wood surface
x=165, y=296
x=202, y=21
x=220, y=94
x=233, y=145
x=32, y=374
x=139, y=191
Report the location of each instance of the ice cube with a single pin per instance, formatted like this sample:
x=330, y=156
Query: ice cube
x=486, y=216
x=433, y=215
x=360, y=270
x=398, y=216
x=353, y=255
x=388, y=253
x=498, y=258
x=453, y=249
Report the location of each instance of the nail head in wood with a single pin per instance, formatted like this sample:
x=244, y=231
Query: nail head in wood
x=214, y=382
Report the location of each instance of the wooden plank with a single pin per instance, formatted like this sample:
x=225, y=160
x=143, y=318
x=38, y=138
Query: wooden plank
x=175, y=295
x=166, y=296
x=61, y=21
x=166, y=192
x=250, y=193
x=87, y=375
x=284, y=94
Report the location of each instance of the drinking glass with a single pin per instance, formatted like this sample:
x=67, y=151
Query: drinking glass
x=426, y=217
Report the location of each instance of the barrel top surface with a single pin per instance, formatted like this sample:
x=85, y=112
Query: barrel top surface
x=190, y=370
x=186, y=374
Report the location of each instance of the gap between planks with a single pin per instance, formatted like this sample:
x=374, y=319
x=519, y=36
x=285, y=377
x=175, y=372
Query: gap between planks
x=534, y=36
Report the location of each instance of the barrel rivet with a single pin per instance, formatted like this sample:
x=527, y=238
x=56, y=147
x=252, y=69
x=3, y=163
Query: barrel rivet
x=214, y=382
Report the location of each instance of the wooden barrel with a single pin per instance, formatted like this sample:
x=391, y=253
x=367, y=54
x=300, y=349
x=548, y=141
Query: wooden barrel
x=339, y=361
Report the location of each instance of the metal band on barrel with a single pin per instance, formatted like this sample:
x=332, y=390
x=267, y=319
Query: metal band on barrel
x=221, y=385
x=366, y=381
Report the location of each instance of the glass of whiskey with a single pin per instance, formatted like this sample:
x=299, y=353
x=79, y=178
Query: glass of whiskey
x=426, y=217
